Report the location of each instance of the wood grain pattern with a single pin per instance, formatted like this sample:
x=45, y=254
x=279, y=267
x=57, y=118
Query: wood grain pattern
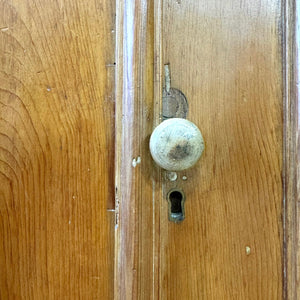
x=56, y=162
x=135, y=239
x=225, y=56
x=291, y=169
x=138, y=185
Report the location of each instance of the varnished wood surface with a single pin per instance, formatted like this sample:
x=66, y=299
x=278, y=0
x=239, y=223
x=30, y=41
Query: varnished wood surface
x=56, y=149
x=291, y=150
x=225, y=56
x=137, y=190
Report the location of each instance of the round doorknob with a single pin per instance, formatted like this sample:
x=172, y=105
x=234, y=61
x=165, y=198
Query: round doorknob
x=176, y=144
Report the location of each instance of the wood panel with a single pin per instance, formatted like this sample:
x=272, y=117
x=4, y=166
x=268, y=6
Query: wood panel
x=225, y=56
x=56, y=149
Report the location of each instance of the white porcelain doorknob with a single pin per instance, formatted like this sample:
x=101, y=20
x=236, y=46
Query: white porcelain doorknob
x=176, y=144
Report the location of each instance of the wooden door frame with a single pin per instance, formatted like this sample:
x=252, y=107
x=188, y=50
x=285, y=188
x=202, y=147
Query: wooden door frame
x=291, y=149
x=131, y=84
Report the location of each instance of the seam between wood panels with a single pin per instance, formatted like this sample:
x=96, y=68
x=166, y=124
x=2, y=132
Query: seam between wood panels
x=118, y=137
x=157, y=109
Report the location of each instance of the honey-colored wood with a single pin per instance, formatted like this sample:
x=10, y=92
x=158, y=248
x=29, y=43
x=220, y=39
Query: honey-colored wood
x=225, y=56
x=137, y=183
x=56, y=149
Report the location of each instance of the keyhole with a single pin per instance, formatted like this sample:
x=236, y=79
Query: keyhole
x=176, y=205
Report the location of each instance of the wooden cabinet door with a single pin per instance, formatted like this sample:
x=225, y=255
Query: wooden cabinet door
x=235, y=63
x=83, y=206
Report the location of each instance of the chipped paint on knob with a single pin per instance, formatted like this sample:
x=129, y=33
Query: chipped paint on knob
x=176, y=144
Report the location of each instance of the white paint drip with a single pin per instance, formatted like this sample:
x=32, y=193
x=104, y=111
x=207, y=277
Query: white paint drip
x=136, y=161
x=248, y=250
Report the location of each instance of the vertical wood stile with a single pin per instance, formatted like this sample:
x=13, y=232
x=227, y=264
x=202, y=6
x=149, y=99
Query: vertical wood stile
x=291, y=149
x=138, y=93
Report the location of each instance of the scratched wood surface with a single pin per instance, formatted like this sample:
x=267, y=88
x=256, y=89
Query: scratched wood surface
x=56, y=157
x=225, y=56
